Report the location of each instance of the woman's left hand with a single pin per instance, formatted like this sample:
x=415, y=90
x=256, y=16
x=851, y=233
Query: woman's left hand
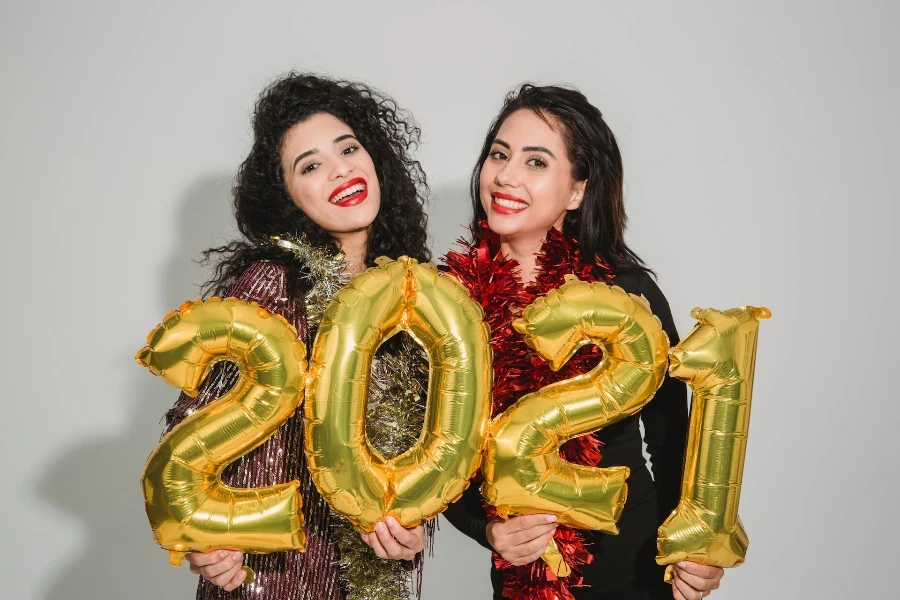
x=693, y=581
x=391, y=540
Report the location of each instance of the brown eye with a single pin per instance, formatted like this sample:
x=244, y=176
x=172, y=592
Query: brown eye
x=537, y=162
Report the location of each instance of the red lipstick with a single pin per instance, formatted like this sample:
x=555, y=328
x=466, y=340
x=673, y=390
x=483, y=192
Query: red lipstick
x=506, y=210
x=351, y=199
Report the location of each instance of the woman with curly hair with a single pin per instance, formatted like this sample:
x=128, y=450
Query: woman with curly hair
x=328, y=186
x=547, y=201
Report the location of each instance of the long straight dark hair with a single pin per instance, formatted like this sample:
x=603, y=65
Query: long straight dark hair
x=599, y=223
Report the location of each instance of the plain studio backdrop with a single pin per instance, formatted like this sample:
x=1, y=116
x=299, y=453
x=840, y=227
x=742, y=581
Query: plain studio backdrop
x=760, y=148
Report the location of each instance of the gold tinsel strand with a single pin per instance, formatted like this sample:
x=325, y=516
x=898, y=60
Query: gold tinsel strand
x=395, y=415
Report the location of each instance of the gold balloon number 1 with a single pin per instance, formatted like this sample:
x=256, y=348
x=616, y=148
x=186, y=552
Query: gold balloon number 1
x=717, y=359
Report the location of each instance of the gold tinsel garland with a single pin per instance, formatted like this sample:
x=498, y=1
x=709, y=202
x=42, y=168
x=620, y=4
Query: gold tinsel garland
x=395, y=415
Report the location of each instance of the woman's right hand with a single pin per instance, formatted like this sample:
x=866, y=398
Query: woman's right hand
x=223, y=568
x=521, y=540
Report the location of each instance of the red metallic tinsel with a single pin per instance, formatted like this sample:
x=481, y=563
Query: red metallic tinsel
x=494, y=282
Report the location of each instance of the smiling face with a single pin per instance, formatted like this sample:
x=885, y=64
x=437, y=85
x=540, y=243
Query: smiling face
x=526, y=179
x=330, y=176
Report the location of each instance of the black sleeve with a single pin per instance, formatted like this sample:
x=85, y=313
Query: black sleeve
x=665, y=417
x=467, y=515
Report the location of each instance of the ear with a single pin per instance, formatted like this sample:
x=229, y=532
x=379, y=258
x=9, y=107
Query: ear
x=577, y=195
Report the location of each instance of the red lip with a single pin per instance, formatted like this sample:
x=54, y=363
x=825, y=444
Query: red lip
x=353, y=199
x=505, y=210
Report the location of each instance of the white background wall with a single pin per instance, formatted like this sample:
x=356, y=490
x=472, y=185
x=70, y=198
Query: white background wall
x=761, y=147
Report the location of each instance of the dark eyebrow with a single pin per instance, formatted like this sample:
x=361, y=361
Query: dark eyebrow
x=337, y=140
x=500, y=142
x=538, y=149
x=302, y=156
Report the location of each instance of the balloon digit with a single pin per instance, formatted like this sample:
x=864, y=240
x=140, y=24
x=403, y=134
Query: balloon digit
x=717, y=359
x=188, y=506
x=523, y=470
x=438, y=313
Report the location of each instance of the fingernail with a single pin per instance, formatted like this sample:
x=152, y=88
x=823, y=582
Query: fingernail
x=551, y=518
x=223, y=553
x=237, y=556
x=379, y=526
x=682, y=564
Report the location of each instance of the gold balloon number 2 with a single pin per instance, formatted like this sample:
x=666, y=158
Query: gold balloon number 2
x=188, y=506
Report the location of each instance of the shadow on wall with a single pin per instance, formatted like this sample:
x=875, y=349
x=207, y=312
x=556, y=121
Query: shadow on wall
x=98, y=481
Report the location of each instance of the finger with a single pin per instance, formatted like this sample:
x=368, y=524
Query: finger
x=700, y=570
x=676, y=593
x=527, y=560
x=535, y=546
x=201, y=559
x=526, y=535
x=375, y=544
x=413, y=539
x=698, y=583
x=225, y=578
x=391, y=546
x=236, y=581
x=528, y=521
x=685, y=588
x=217, y=569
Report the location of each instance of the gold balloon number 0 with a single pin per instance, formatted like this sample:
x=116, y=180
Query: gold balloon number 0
x=188, y=506
x=438, y=313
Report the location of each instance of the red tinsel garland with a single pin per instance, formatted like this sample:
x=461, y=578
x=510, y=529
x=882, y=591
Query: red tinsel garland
x=494, y=282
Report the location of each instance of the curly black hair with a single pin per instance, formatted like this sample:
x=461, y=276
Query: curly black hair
x=599, y=223
x=263, y=208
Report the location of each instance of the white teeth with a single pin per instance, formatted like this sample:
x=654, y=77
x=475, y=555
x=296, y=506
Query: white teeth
x=510, y=203
x=349, y=191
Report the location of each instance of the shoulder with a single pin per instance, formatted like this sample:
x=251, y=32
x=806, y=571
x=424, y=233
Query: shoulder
x=636, y=281
x=641, y=283
x=263, y=279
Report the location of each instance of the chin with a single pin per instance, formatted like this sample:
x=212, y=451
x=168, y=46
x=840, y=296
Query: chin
x=503, y=225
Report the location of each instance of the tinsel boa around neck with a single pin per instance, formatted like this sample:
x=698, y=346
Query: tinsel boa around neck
x=395, y=415
x=493, y=280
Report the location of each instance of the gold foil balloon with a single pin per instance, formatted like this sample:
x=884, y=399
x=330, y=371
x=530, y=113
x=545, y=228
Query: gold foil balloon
x=717, y=359
x=188, y=506
x=348, y=471
x=523, y=471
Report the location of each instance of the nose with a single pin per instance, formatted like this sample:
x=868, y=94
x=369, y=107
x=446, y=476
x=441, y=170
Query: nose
x=341, y=167
x=506, y=176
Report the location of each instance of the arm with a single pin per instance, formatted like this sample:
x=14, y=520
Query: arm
x=467, y=515
x=665, y=417
x=665, y=421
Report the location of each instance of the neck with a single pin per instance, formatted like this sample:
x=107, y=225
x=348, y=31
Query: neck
x=523, y=250
x=353, y=245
